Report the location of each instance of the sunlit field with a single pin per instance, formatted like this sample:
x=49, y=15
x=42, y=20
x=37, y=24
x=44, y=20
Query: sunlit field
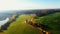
x=32, y=23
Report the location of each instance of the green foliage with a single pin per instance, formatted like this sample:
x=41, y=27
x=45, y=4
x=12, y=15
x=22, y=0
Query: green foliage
x=52, y=20
x=19, y=27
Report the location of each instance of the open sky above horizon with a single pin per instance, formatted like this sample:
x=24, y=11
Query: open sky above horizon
x=28, y=4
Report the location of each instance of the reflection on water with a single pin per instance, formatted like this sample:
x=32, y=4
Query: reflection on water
x=4, y=21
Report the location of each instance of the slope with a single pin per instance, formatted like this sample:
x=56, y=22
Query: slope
x=19, y=27
x=52, y=21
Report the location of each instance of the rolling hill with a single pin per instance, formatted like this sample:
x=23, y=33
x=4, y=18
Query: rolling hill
x=20, y=27
x=52, y=21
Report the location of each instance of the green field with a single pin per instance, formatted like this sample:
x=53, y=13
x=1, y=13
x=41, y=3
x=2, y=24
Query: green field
x=20, y=27
x=52, y=21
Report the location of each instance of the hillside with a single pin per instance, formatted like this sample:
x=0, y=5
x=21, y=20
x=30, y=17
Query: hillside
x=52, y=21
x=20, y=27
x=38, y=12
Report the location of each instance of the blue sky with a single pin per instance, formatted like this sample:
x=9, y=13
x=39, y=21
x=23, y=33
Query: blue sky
x=28, y=4
x=44, y=1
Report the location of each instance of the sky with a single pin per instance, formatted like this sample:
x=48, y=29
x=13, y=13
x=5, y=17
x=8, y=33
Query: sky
x=28, y=4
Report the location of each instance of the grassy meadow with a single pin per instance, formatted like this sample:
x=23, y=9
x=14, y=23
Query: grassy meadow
x=20, y=27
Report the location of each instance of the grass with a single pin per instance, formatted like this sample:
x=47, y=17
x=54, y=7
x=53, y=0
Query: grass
x=52, y=20
x=19, y=27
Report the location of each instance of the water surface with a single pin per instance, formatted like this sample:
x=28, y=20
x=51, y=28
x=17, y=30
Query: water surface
x=4, y=21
